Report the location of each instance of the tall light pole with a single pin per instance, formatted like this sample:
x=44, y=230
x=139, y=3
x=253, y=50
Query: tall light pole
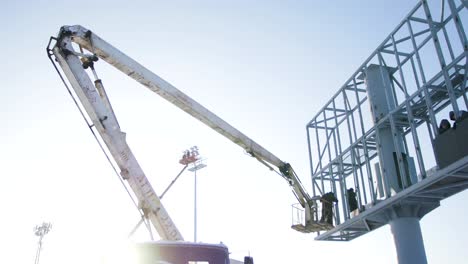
x=41, y=231
x=193, y=156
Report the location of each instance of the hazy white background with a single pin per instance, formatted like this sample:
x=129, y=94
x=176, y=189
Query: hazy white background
x=266, y=67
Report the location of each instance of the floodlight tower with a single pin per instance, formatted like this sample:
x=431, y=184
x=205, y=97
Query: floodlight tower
x=192, y=157
x=41, y=231
x=410, y=83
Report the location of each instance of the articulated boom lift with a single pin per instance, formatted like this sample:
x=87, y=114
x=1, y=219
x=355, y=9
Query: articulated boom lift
x=96, y=103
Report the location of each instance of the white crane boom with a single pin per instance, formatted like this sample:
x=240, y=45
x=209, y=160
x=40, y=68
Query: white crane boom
x=104, y=120
x=98, y=108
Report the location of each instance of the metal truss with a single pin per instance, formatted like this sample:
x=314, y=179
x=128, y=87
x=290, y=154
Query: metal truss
x=427, y=59
x=417, y=200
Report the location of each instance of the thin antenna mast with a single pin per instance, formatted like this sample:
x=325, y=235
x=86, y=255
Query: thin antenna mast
x=41, y=231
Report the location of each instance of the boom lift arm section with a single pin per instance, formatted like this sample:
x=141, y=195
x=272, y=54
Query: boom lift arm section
x=98, y=108
x=106, y=122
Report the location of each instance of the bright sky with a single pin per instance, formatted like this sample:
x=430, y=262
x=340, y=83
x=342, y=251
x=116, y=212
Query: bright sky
x=266, y=67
